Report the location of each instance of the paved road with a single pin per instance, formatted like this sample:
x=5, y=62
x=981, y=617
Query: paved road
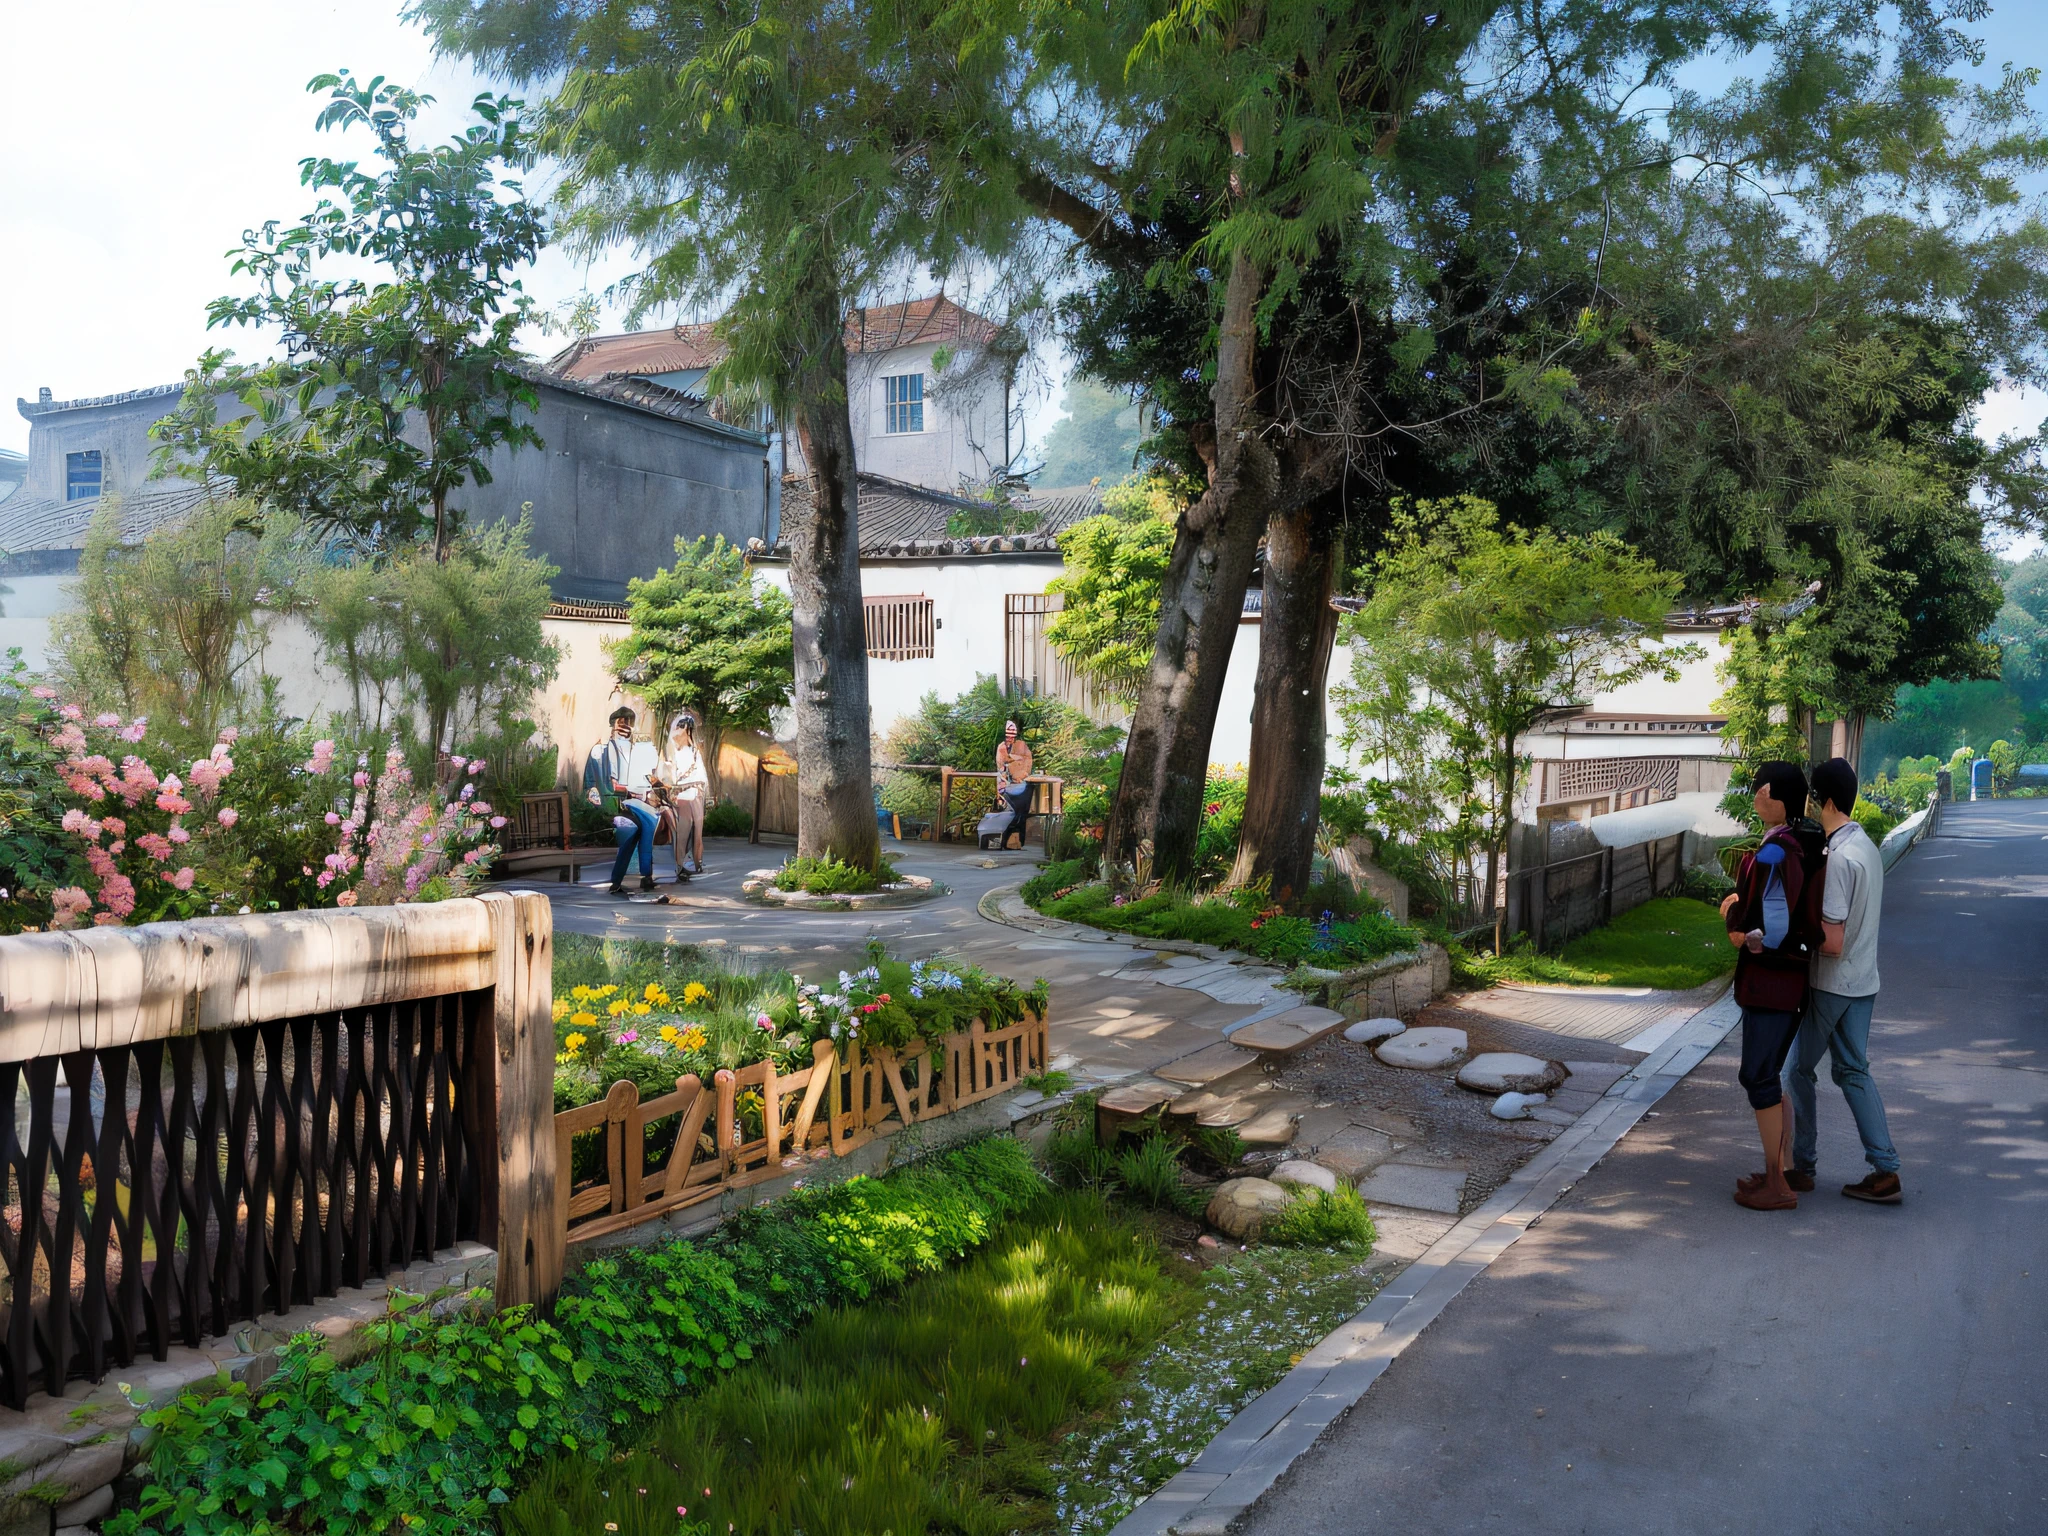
x=1652, y=1358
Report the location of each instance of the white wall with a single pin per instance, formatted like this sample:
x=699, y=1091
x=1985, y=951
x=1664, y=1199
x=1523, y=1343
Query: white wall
x=965, y=415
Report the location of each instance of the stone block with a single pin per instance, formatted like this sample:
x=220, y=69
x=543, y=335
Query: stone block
x=1510, y=1072
x=1423, y=1049
x=1286, y=1033
x=90, y=1467
x=94, y=1507
x=1420, y=1188
x=1373, y=1031
x=27, y=1449
x=1209, y=1066
x=1306, y=1174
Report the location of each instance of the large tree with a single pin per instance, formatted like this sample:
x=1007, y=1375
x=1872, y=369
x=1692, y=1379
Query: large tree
x=784, y=162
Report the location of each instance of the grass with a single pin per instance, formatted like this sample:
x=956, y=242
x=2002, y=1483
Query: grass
x=1672, y=943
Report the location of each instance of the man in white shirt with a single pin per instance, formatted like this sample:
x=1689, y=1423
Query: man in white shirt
x=618, y=772
x=1843, y=994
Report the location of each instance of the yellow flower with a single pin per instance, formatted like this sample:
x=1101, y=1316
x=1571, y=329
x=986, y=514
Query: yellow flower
x=670, y=1034
x=617, y=1008
x=605, y=991
x=583, y=1019
x=641, y=1010
x=695, y=993
x=561, y=1009
x=654, y=994
x=575, y=1043
x=694, y=1038
x=580, y=993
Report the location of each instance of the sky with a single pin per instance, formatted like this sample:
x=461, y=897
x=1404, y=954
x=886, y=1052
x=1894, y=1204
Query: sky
x=144, y=136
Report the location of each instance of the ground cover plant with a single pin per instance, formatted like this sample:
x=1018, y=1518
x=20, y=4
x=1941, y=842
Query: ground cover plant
x=432, y=1425
x=1243, y=919
x=834, y=877
x=1672, y=942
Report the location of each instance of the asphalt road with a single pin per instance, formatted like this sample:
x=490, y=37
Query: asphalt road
x=1653, y=1358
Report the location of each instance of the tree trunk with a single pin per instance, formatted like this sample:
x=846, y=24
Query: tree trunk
x=1201, y=600
x=1297, y=632
x=834, y=784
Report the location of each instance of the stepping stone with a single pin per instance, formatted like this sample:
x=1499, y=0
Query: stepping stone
x=1120, y=1106
x=1271, y=1126
x=1423, y=1049
x=1421, y=1189
x=1372, y=1031
x=1355, y=1151
x=1514, y=1106
x=1241, y=1207
x=1212, y=1109
x=1307, y=1175
x=1286, y=1033
x=1510, y=1072
x=1211, y=1064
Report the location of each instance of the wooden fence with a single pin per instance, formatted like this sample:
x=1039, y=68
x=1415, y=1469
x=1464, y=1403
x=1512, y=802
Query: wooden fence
x=679, y=1149
x=1555, y=903
x=206, y=1121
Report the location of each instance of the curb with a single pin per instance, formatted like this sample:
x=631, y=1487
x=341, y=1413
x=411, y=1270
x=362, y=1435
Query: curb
x=1253, y=1451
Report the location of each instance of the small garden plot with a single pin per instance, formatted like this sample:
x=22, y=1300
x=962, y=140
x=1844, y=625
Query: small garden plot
x=1672, y=943
x=1333, y=931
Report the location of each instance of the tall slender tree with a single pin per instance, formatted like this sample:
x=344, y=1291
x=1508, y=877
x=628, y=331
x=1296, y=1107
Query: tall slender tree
x=781, y=162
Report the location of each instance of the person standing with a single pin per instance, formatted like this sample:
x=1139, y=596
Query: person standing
x=1771, y=964
x=617, y=773
x=1013, y=779
x=1843, y=996
x=689, y=783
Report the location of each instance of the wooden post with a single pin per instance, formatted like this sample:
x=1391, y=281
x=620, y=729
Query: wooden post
x=945, y=800
x=513, y=1083
x=1606, y=885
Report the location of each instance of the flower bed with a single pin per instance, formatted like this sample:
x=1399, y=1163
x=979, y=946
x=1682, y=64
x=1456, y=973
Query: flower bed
x=1240, y=919
x=668, y=1092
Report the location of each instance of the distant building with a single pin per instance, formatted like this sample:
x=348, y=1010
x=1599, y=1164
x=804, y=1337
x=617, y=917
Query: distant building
x=13, y=470
x=928, y=394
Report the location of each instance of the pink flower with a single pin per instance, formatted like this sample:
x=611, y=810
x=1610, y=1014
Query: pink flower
x=458, y=761
x=155, y=844
x=41, y=692
x=115, y=825
x=136, y=731
x=323, y=757
x=762, y=1021
x=69, y=739
x=183, y=878
x=227, y=816
x=100, y=862
x=497, y=821
x=326, y=879
x=176, y=804
x=229, y=735
x=106, y=722
x=476, y=765
x=117, y=895
x=362, y=780
x=334, y=818
x=71, y=904
x=626, y=1036
x=178, y=834
x=72, y=712
x=77, y=821
x=345, y=899
x=107, y=920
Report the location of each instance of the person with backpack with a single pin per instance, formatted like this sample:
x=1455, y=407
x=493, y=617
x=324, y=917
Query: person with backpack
x=1842, y=996
x=1771, y=921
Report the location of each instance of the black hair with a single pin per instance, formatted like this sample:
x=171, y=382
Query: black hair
x=1787, y=783
x=621, y=713
x=1835, y=782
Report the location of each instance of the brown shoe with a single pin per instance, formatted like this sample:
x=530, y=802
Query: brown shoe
x=1764, y=1198
x=1800, y=1181
x=1877, y=1189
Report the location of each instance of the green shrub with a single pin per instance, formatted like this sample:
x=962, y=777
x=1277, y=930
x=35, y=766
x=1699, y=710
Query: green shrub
x=1055, y=879
x=727, y=819
x=833, y=877
x=1238, y=920
x=430, y=1429
x=1318, y=1218
x=1148, y=1171
x=1874, y=819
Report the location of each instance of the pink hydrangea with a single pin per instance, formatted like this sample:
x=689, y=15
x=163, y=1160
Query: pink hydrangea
x=227, y=816
x=496, y=822
x=229, y=735
x=174, y=803
x=71, y=903
x=72, y=712
x=77, y=821
x=155, y=844
x=136, y=731
x=117, y=894
x=323, y=757
x=69, y=739
x=100, y=862
x=115, y=825
x=182, y=878
x=345, y=899
x=106, y=722
x=178, y=834
x=42, y=692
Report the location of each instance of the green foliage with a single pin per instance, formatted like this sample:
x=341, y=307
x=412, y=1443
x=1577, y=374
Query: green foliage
x=1096, y=441
x=728, y=819
x=1056, y=879
x=36, y=857
x=832, y=877
x=173, y=627
x=1236, y=920
x=1148, y=1171
x=1109, y=617
x=1874, y=819
x=928, y=1414
x=392, y=386
x=433, y=1426
x=1671, y=943
x=1321, y=1218
x=996, y=515
x=708, y=635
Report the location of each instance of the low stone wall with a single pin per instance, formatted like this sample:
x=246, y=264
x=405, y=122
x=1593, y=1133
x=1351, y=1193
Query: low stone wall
x=1395, y=986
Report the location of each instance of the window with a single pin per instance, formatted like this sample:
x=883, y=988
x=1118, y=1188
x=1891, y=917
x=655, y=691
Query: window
x=82, y=475
x=899, y=628
x=903, y=398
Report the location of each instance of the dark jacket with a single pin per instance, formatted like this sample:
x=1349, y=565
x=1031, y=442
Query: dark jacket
x=1776, y=978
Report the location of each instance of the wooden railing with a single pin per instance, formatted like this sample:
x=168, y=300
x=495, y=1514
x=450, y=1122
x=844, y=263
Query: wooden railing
x=201, y=1122
x=830, y=1108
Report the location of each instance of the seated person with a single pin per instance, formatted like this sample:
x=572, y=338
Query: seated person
x=618, y=773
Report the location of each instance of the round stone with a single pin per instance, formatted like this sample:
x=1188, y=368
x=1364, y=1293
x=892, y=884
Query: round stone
x=1515, y=1106
x=1240, y=1207
x=1372, y=1031
x=1510, y=1072
x=1431, y=1046
x=1310, y=1175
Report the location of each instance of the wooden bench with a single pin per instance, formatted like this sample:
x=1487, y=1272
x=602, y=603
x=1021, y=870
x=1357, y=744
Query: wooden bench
x=538, y=839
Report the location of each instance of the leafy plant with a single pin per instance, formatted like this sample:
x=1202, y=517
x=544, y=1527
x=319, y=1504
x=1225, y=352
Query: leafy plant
x=1321, y=1218
x=833, y=877
x=1148, y=1171
x=727, y=819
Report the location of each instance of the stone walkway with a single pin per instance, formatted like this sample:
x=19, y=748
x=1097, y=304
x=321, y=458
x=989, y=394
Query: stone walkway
x=1637, y=1019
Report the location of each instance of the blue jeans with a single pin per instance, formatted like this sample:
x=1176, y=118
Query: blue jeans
x=1019, y=802
x=635, y=824
x=1841, y=1027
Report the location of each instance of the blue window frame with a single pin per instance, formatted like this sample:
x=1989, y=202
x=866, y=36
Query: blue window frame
x=82, y=475
x=903, y=400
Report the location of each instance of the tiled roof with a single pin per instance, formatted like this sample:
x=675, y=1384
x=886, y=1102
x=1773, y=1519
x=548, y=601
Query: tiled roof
x=899, y=519
x=34, y=408
x=37, y=522
x=642, y=394
x=680, y=347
